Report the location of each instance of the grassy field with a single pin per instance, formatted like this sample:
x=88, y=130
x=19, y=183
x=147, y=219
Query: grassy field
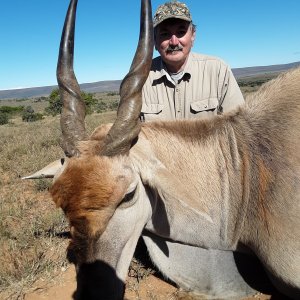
x=39, y=104
x=33, y=233
x=252, y=83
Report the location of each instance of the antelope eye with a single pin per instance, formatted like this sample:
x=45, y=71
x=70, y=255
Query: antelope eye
x=128, y=200
x=128, y=197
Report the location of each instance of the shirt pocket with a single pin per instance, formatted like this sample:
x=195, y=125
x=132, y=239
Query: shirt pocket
x=205, y=107
x=151, y=112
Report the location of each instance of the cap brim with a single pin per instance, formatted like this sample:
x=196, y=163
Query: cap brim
x=172, y=17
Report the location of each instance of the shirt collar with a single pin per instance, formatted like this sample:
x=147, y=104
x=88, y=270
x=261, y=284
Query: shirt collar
x=164, y=72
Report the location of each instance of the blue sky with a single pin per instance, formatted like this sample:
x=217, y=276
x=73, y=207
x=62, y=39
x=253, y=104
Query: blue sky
x=243, y=33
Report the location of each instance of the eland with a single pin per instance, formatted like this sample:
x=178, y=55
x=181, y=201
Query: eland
x=235, y=190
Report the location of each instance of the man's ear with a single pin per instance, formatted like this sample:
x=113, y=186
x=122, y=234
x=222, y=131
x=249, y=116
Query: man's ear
x=155, y=43
x=193, y=37
x=155, y=38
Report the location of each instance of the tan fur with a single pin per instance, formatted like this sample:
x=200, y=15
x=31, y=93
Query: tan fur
x=265, y=180
x=89, y=190
x=238, y=174
x=99, y=198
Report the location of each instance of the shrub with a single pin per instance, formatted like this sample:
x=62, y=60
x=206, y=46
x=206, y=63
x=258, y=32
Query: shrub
x=30, y=116
x=89, y=101
x=3, y=118
x=22, y=99
x=42, y=185
x=55, y=103
x=112, y=93
x=101, y=106
x=11, y=109
x=114, y=105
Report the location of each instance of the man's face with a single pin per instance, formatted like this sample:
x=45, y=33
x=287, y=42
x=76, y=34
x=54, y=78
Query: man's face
x=173, y=40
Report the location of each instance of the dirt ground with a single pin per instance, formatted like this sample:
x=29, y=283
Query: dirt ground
x=64, y=287
x=143, y=283
x=149, y=288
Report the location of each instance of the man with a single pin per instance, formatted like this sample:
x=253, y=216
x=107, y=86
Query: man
x=186, y=85
x=183, y=84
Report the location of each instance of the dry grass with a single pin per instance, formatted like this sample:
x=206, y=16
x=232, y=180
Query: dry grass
x=251, y=84
x=33, y=233
x=137, y=272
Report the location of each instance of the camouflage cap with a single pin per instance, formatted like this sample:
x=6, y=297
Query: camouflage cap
x=173, y=9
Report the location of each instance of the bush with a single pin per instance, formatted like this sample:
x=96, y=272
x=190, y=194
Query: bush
x=112, y=93
x=42, y=185
x=101, y=106
x=30, y=116
x=11, y=109
x=89, y=101
x=3, y=118
x=114, y=105
x=55, y=103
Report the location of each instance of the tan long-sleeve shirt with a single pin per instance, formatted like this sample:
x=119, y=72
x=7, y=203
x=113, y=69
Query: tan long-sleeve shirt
x=207, y=88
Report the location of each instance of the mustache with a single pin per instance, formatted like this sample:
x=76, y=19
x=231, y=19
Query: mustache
x=174, y=48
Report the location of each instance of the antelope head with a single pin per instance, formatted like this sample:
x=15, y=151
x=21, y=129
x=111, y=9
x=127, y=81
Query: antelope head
x=97, y=176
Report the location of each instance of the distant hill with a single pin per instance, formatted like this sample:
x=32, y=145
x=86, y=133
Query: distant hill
x=114, y=85
x=95, y=87
x=254, y=71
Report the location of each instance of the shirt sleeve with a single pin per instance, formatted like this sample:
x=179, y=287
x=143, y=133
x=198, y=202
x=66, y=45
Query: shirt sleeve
x=231, y=95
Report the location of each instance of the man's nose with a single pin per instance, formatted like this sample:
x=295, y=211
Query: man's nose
x=174, y=40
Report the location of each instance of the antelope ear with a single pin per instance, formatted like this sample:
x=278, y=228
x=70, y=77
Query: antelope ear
x=49, y=171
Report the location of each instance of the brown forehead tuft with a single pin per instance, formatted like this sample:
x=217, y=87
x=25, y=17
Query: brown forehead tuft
x=89, y=190
x=85, y=179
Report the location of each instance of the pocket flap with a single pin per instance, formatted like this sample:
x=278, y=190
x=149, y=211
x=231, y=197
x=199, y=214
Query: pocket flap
x=206, y=104
x=152, y=108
